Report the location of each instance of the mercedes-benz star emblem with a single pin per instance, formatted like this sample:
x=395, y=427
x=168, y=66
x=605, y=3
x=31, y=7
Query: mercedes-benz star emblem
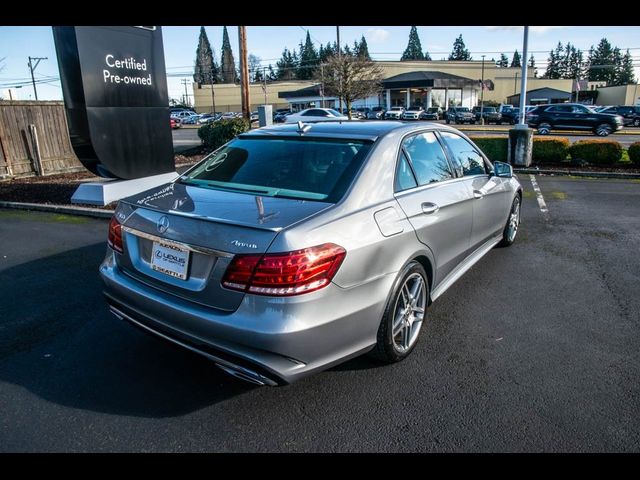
x=163, y=224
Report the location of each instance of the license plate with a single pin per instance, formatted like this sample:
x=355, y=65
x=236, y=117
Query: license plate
x=170, y=259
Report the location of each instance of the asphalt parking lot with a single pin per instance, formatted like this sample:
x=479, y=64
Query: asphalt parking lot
x=537, y=348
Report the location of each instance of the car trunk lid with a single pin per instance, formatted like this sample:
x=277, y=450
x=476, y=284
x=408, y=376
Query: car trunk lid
x=198, y=231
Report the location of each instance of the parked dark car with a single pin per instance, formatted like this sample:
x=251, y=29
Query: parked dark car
x=438, y=112
x=427, y=115
x=490, y=115
x=460, y=115
x=376, y=113
x=281, y=115
x=629, y=113
x=572, y=116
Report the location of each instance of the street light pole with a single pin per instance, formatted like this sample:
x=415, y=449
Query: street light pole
x=482, y=95
x=264, y=79
x=339, y=63
x=523, y=81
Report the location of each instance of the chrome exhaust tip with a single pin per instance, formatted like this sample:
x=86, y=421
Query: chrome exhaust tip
x=246, y=375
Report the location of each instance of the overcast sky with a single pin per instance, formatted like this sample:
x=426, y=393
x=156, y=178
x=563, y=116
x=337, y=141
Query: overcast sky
x=385, y=43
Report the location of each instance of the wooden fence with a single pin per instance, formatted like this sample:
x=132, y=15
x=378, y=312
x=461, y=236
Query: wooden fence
x=34, y=139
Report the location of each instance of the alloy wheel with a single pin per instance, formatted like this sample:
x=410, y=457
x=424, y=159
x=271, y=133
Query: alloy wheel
x=514, y=220
x=409, y=313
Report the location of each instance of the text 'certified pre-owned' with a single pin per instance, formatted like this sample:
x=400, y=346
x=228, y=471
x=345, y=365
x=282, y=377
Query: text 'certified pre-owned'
x=125, y=64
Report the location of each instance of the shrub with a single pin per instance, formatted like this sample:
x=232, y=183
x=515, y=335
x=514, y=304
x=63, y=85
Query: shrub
x=218, y=133
x=549, y=150
x=599, y=152
x=496, y=148
x=634, y=153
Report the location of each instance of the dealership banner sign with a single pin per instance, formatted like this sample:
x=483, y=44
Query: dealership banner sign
x=115, y=92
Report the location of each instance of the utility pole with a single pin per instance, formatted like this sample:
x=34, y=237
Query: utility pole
x=213, y=92
x=244, y=72
x=32, y=67
x=184, y=81
x=482, y=94
x=339, y=63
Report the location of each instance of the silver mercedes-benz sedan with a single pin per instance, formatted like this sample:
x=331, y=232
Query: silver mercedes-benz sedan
x=297, y=247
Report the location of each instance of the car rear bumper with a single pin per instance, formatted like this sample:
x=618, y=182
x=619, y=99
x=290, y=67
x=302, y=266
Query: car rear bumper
x=267, y=340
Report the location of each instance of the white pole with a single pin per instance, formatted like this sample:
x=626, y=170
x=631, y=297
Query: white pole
x=523, y=82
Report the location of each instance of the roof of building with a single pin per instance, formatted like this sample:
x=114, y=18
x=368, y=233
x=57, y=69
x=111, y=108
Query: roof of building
x=432, y=79
x=311, y=91
x=546, y=92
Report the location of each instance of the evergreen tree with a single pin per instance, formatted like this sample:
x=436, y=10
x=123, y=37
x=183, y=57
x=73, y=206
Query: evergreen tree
x=516, y=62
x=363, y=52
x=309, y=59
x=414, y=47
x=573, y=64
x=271, y=75
x=227, y=61
x=625, y=73
x=602, y=63
x=532, y=66
x=459, y=51
x=503, y=62
x=206, y=71
x=286, y=66
x=554, y=66
x=427, y=56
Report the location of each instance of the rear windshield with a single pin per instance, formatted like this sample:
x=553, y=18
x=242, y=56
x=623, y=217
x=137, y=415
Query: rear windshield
x=300, y=168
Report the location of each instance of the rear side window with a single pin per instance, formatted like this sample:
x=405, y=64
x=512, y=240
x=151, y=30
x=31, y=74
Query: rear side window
x=404, y=176
x=300, y=168
x=465, y=154
x=427, y=158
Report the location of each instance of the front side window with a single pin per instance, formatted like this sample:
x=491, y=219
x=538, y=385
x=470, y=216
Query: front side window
x=427, y=158
x=465, y=154
x=300, y=168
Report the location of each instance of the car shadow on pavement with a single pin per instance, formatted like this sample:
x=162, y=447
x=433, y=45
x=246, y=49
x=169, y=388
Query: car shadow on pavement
x=58, y=340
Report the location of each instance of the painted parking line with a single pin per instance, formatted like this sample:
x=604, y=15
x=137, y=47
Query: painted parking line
x=541, y=202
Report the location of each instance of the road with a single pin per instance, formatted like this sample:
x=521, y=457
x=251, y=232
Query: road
x=184, y=138
x=534, y=349
x=630, y=135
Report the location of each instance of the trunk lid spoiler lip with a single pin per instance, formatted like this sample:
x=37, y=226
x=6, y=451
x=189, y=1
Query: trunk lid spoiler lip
x=203, y=217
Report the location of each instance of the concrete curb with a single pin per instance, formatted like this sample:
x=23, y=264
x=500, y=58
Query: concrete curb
x=559, y=132
x=578, y=173
x=69, y=210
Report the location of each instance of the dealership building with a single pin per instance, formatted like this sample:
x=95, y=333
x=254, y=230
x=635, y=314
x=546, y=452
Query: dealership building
x=426, y=83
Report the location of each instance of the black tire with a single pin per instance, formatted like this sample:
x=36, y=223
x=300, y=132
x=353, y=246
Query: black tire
x=544, y=128
x=386, y=350
x=448, y=121
x=508, y=236
x=603, y=130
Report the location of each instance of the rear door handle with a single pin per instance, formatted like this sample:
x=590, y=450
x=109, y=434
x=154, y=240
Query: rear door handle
x=477, y=194
x=429, y=208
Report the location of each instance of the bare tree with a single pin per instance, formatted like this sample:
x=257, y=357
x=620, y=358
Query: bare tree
x=351, y=78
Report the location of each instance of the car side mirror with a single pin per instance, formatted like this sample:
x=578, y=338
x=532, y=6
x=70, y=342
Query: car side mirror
x=502, y=170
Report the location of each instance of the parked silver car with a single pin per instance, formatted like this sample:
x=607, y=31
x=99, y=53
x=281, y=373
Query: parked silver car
x=293, y=248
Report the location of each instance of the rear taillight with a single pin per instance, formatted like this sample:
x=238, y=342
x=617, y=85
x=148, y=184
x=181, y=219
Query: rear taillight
x=115, y=235
x=285, y=274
